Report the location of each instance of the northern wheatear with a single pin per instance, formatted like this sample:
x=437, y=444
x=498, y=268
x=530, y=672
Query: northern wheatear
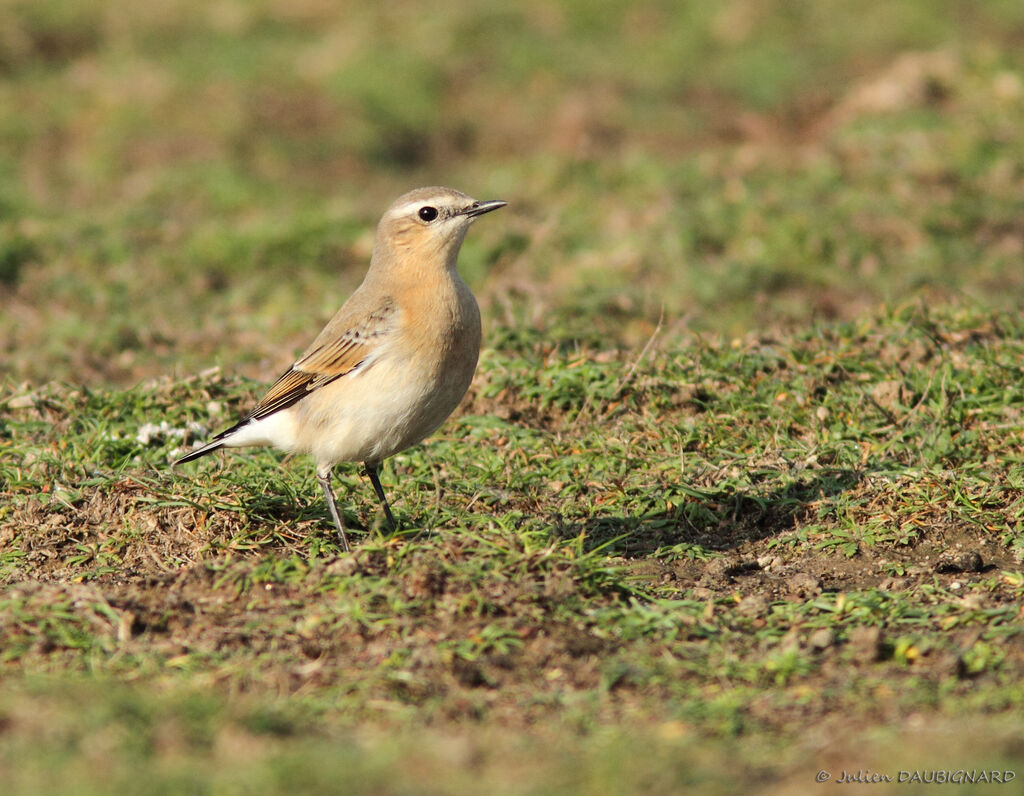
x=392, y=364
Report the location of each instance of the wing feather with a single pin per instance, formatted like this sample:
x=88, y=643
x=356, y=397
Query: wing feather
x=341, y=348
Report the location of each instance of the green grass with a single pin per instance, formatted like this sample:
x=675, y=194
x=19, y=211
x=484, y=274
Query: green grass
x=661, y=553
x=738, y=492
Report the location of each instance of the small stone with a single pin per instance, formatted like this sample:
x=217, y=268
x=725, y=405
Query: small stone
x=803, y=584
x=343, y=566
x=717, y=569
x=729, y=566
x=753, y=605
x=865, y=643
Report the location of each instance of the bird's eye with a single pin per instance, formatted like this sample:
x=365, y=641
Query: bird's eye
x=428, y=213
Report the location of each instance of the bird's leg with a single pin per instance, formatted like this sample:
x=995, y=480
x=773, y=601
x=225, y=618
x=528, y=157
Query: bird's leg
x=372, y=471
x=325, y=483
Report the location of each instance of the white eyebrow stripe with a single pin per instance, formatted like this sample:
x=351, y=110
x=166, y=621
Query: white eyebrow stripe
x=443, y=205
x=412, y=207
x=407, y=208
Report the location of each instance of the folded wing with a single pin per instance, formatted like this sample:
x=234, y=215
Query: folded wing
x=338, y=350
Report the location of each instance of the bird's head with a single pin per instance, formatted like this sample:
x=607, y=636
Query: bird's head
x=428, y=223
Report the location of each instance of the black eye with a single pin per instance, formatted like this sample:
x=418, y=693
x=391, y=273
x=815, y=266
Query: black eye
x=428, y=213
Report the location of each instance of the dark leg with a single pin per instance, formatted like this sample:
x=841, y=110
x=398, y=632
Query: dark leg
x=371, y=470
x=325, y=483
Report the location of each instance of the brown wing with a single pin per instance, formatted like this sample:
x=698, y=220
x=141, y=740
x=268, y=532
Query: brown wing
x=339, y=349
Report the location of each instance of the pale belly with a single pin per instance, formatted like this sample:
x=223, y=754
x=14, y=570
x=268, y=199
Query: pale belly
x=372, y=415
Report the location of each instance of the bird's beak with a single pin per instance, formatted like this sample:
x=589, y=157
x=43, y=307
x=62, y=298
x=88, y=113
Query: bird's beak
x=479, y=208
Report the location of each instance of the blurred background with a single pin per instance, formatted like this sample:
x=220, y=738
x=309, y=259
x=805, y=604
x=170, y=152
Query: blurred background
x=185, y=183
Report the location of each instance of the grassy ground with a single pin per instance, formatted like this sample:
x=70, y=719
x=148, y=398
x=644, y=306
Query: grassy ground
x=736, y=496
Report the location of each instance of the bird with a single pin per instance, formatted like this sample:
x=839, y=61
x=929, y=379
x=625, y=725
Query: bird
x=392, y=364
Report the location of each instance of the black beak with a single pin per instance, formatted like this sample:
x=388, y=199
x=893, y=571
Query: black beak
x=479, y=208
